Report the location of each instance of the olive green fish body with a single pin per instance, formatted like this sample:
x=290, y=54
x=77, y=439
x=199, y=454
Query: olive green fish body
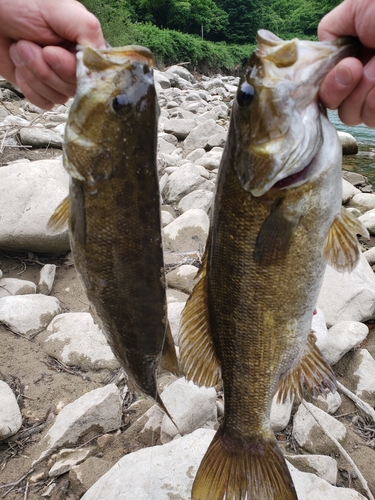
x=114, y=215
x=276, y=221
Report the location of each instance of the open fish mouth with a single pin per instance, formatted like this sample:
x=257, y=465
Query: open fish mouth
x=295, y=179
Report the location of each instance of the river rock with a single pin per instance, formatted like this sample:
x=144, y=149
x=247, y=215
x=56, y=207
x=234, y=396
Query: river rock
x=358, y=367
x=165, y=146
x=323, y=466
x=370, y=256
x=200, y=135
x=330, y=403
x=161, y=79
x=348, y=142
x=76, y=340
x=171, y=478
x=190, y=406
x=28, y=314
x=368, y=220
x=15, y=286
x=10, y=415
x=174, y=318
x=200, y=198
x=280, y=414
x=348, y=191
x=348, y=296
x=29, y=194
x=341, y=338
x=180, y=128
x=84, y=475
x=181, y=182
x=41, y=138
x=183, y=278
x=188, y=232
x=194, y=155
x=100, y=409
x=46, y=279
x=182, y=73
x=363, y=201
x=308, y=433
x=68, y=458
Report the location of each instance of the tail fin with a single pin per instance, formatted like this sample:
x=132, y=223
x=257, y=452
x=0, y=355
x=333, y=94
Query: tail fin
x=233, y=469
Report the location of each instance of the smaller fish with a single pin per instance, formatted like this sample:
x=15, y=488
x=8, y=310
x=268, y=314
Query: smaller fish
x=114, y=208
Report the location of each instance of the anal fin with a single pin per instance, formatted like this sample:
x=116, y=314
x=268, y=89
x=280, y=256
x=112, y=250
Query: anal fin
x=311, y=371
x=341, y=248
x=169, y=359
x=198, y=358
x=233, y=468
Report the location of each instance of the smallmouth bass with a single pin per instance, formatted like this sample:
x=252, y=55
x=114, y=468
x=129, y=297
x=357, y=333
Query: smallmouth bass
x=114, y=207
x=277, y=220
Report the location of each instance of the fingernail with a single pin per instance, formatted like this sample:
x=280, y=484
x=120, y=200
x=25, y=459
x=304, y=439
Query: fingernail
x=14, y=55
x=369, y=69
x=343, y=75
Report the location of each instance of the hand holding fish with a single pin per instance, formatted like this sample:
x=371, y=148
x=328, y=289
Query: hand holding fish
x=350, y=86
x=37, y=44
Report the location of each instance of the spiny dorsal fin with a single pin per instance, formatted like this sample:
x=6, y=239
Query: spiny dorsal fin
x=235, y=468
x=341, y=247
x=274, y=236
x=311, y=370
x=59, y=219
x=198, y=358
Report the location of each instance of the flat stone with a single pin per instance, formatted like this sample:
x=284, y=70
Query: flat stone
x=15, y=286
x=280, y=414
x=348, y=191
x=183, y=278
x=83, y=476
x=188, y=232
x=363, y=201
x=41, y=138
x=199, y=136
x=100, y=409
x=190, y=406
x=76, y=340
x=323, y=466
x=180, y=128
x=68, y=458
x=200, y=198
x=183, y=181
x=362, y=366
x=28, y=314
x=348, y=296
x=10, y=414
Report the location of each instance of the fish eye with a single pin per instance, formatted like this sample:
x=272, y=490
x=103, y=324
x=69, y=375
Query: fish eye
x=121, y=103
x=245, y=94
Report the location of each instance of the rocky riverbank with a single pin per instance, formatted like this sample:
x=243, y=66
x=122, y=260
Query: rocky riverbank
x=67, y=415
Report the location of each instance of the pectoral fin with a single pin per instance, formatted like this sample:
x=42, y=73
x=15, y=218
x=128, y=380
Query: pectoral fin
x=59, y=219
x=275, y=236
x=341, y=248
x=198, y=358
x=311, y=371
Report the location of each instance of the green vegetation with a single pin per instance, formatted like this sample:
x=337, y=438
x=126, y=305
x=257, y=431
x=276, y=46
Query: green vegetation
x=213, y=35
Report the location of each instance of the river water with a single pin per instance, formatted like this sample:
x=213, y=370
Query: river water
x=364, y=161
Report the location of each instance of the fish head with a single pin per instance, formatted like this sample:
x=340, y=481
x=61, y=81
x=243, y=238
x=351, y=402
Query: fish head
x=278, y=112
x=115, y=96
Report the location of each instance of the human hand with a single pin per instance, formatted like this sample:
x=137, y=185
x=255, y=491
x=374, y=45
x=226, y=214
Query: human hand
x=350, y=86
x=37, y=46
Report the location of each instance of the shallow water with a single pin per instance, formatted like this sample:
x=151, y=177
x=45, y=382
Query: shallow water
x=364, y=161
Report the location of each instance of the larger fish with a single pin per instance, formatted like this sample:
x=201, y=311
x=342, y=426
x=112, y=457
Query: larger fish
x=277, y=220
x=114, y=215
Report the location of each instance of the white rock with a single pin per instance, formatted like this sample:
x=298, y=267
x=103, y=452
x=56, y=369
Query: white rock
x=14, y=286
x=188, y=232
x=174, y=318
x=208, y=162
x=182, y=73
x=46, y=279
x=341, y=338
x=311, y=487
x=348, y=142
x=330, y=404
x=348, y=297
x=194, y=155
x=183, y=278
x=370, y=256
x=15, y=120
x=365, y=372
x=200, y=198
x=348, y=191
x=10, y=415
x=190, y=406
x=185, y=180
x=76, y=340
x=165, y=146
x=368, y=220
x=280, y=414
x=176, y=296
x=308, y=433
x=29, y=194
x=318, y=325
x=68, y=458
x=166, y=218
x=323, y=466
x=180, y=128
x=99, y=409
x=28, y=314
x=155, y=473
x=199, y=136
x=363, y=201
x=41, y=137
x=161, y=79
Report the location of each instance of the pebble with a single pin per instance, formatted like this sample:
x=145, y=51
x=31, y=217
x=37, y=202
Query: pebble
x=182, y=278
x=46, y=279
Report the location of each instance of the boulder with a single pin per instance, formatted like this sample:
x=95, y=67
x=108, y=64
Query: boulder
x=348, y=142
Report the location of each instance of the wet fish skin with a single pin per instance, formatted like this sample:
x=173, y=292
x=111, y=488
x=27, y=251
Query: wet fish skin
x=114, y=214
x=272, y=231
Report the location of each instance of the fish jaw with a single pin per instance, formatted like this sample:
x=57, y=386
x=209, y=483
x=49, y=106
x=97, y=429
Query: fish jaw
x=280, y=130
x=113, y=86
